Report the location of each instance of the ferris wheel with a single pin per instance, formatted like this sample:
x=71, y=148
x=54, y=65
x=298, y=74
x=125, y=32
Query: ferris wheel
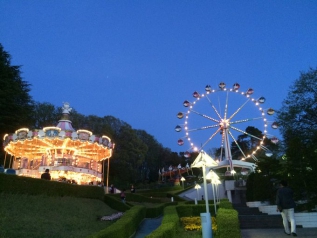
x=222, y=119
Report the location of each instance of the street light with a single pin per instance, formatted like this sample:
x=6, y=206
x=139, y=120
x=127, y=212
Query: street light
x=197, y=186
x=183, y=180
x=214, y=181
x=202, y=161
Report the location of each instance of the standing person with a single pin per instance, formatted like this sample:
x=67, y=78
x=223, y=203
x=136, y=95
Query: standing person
x=285, y=205
x=46, y=175
x=132, y=189
x=122, y=195
x=111, y=188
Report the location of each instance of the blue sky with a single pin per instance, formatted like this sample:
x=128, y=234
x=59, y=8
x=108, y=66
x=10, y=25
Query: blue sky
x=139, y=60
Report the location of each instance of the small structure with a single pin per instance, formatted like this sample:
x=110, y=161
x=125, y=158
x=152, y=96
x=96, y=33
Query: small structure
x=71, y=156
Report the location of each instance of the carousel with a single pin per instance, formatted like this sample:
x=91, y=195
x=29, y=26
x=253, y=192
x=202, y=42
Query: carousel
x=71, y=156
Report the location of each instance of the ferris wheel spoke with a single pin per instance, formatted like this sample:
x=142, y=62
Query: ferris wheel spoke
x=244, y=132
x=205, y=116
x=213, y=107
x=246, y=120
x=237, y=144
x=202, y=128
x=226, y=106
x=239, y=109
x=210, y=138
x=253, y=157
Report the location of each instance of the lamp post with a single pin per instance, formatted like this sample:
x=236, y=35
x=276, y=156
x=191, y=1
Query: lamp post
x=197, y=186
x=214, y=180
x=202, y=161
x=217, y=190
x=108, y=168
x=183, y=180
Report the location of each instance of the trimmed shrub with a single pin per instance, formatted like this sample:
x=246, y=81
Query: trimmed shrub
x=125, y=226
x=169, y=224
x=194, y=210
x=228, y=223
x=33, y=186
x=114, y=201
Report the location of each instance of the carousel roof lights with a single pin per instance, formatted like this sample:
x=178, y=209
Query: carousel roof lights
x=85, y=131
x=22, y=129
x=51, y=128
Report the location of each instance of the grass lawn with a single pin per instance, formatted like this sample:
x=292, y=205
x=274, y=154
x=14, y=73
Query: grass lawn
x=42, y=216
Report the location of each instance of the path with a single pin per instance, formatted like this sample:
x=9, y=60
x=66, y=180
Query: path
x=277, y=233
x=147, y=226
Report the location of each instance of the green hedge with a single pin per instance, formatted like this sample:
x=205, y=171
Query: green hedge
x=125, y=226
x=227, y=220
x=194, y=210
x=228, y=223
x=152, y=212
x=32, y=186
x=140, y=197
x=169, y=224
x=114, y=201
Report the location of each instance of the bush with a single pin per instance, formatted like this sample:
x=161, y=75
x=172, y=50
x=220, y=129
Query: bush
x=169, y=224
x=228, y=223
x=194, y=210
x=125, y=226
x=33, y=186
x=114, y=201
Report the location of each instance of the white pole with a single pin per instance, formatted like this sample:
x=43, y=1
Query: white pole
x=205, y=189
x=213, y=192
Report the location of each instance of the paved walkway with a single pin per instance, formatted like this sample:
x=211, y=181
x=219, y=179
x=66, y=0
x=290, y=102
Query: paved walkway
x=277, y=233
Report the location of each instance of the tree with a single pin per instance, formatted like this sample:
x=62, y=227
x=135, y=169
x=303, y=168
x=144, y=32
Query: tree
x=151, y=164
x=16, y=105
x=298, y=124
x=45, y=114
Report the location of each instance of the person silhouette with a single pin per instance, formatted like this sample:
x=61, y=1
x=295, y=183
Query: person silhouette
x=46, y=175
x=285, y=205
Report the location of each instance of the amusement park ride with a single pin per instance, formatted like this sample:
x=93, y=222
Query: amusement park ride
x=72, y=156
x=219, y=118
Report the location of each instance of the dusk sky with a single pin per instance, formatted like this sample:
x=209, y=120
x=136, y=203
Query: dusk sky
x=139, y=60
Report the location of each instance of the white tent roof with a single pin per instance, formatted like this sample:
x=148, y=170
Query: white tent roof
x=203, y=159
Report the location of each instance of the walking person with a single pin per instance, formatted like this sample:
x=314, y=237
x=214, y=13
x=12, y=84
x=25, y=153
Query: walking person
x=132, y=189
x=122, y=195
x=111, y=190
x=285, y=205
